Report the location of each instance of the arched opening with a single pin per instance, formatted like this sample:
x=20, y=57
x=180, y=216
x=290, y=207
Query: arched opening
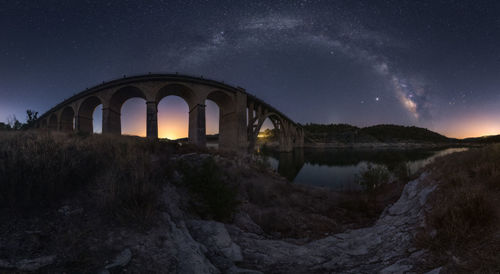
x=88, y=121
x=97, y=119
x=269, y=132
x=174, y=112
x=268, y=135
x=173, y=118
x=133, y=117
x=67, y=119
x=127, y=107
x=53, y=122
x=212, y=118
x=227, y=125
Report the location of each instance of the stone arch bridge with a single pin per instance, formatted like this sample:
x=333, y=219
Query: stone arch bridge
x=240, y=119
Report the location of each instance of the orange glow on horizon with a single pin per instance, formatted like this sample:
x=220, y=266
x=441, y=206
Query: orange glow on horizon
x=133, y=117
x=472, y=127
x=173, y=118
x=173, y=121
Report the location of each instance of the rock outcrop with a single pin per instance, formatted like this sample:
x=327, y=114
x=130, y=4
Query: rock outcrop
x=386, y=247
x=182, y=243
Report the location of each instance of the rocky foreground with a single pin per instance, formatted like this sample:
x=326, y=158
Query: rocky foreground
x=181, y=242
x=386, y=247
x=71, y=204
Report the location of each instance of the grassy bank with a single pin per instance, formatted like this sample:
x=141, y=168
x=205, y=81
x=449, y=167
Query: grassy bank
x=39, y=170
x=463, y=226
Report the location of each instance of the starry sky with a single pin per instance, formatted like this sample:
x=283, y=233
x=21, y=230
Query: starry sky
x=433, y=64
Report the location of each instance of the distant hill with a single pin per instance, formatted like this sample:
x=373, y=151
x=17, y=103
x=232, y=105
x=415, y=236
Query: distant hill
x=344, y=133
x=349, y=134
x=483, y=140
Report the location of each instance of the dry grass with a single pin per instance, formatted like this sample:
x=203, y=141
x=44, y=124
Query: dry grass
x=123, y=175
x=462, y=228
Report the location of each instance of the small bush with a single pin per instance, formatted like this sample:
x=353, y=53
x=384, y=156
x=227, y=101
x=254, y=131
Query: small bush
x=373, y=177
x=402, y=171
x=216, y=198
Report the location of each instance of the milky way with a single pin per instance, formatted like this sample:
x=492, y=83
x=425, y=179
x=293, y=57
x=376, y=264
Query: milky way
x=434, y=64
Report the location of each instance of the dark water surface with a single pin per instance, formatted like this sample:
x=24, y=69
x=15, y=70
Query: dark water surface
x=339, y=169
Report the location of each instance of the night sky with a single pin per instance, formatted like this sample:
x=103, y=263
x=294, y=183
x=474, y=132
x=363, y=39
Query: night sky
x=434, y=64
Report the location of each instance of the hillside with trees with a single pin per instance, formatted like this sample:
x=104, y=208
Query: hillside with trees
x=348, y=134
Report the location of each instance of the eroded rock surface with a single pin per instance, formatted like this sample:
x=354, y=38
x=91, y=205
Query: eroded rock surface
x=385, y=247
x=205, y=246
x=182, y=243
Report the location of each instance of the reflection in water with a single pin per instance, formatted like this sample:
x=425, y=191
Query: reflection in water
x=338, y=168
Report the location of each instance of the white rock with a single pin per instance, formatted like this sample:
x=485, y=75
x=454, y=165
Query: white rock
x=216, y=238
x=35, y=264
x=435, y=270
x=121, y=259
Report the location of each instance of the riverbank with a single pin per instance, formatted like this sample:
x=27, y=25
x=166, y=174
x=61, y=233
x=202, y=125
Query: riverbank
x=97, y=204
x=374, y=145
x=388, y=145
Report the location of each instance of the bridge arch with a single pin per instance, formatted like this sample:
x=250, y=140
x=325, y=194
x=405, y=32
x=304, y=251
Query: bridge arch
x=123, y=94
x=85, y=114
x=279, y=125
x=43, y=123
x=112, y=111
x=177, y=90
x=67, y=119
x=53, y=122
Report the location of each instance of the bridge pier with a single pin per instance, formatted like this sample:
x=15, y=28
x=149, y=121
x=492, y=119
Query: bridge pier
x=84, y=124
x=111, y=123
x=152, y=120
x=197, y=127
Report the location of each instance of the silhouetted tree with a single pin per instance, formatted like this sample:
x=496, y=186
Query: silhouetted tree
x=14, y=124
x=31, y=117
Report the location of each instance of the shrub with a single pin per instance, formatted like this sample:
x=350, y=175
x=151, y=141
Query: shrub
x=373, y=176
x=402, y=171
x=205, y=182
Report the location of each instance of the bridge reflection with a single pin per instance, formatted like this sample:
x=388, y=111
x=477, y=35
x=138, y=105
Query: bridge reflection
x=289, y=163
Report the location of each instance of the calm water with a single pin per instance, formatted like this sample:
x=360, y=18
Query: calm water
x=339, y=169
